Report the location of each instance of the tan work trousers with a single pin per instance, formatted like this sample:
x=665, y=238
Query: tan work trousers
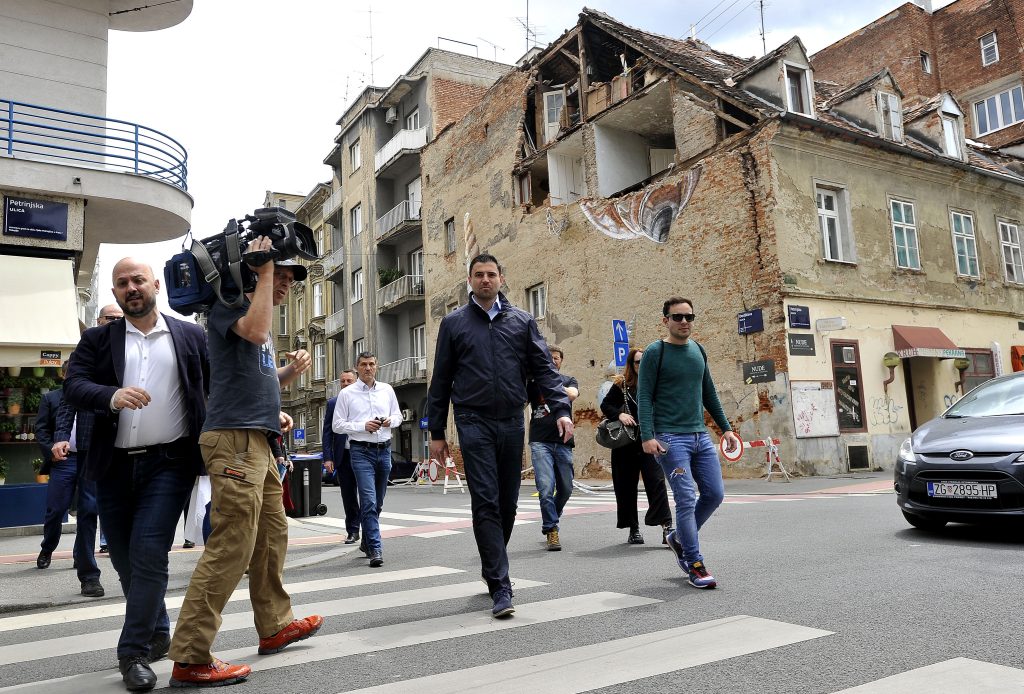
x=248, y=530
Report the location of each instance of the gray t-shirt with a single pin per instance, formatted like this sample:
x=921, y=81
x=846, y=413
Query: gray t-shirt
x=244, y=389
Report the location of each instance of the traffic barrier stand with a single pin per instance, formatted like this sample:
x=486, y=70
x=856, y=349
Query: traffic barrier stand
x=450, y=471
x=771, y=454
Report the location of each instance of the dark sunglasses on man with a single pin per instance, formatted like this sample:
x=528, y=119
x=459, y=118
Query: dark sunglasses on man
x=108, y=319
x=680, y=317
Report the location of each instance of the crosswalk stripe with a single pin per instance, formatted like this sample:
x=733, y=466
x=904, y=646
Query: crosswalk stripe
x=948, y=677
x=68, y=645
x=438, y=533
x=347, y=644
x=340, y=522
x=414, y=517
x=438, y=509
x=81, y=614
x=620, y=660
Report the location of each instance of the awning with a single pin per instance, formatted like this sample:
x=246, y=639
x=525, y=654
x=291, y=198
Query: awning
x=38, y=311
x=913, y=341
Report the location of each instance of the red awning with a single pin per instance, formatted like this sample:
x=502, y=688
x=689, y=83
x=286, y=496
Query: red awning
x=914, y=341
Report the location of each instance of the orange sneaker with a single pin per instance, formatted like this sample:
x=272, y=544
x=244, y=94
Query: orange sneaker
x=296, y=631
x=215, y=674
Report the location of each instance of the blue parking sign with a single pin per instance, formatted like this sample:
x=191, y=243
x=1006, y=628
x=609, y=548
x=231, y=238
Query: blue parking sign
x=300, y=435
x=621, y=352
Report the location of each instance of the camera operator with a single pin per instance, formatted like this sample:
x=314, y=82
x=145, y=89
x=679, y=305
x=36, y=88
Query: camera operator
x=249, y=527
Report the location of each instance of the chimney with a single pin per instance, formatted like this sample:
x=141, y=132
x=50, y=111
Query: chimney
x=925, y=5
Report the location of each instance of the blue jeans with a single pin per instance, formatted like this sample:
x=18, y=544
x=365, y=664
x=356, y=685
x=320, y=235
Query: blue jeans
x=65, y=480
x=371, y=467
x=140, y=501
x=492, y=454
x=552, y=471
x=690, y=465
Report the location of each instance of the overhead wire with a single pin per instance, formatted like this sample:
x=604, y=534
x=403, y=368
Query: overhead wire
x=711, y=22
x=730, y=20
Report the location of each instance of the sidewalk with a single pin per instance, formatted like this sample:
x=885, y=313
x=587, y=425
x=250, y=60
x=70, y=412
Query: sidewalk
x=24, y=587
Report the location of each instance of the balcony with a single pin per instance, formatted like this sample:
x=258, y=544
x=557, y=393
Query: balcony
x=403, y=371
x=405, y=142
x=391, y=296
x=334, y=323
x=398, y=222
x=332, y=205
x=334, y=263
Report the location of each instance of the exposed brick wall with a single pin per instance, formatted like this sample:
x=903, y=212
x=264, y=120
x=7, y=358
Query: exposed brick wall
x=453, y=100
x=950, y=35
x=894, y=41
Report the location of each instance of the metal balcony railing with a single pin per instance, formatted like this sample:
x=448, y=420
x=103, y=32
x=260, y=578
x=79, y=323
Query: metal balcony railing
x=402, y=288
x=405, y=139
x=333, y=261
x=334, y=323
x=331, y=204
x=79, y=139
x=404, y=211
x=408, y=369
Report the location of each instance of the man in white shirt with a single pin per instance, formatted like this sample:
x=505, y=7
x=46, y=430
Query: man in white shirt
x=367, y=411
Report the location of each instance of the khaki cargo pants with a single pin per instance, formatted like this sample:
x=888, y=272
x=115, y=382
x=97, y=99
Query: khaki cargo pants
x=248, y=530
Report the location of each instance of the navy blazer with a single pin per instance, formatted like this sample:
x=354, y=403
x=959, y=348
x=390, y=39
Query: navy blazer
x=331, y=442
x=66, y=416
x=95, y=373
x=46, y=426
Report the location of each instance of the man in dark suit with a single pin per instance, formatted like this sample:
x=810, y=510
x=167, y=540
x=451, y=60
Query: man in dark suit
x=65, y=481
x=145, y=378
x=336, y=458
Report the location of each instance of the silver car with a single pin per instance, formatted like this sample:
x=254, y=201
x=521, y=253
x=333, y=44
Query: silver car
x=966, y=465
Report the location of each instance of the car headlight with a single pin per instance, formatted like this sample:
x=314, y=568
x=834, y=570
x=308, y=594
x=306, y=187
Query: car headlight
x=906, y=453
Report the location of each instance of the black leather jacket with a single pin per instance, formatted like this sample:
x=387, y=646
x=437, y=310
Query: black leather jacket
x=483, y=366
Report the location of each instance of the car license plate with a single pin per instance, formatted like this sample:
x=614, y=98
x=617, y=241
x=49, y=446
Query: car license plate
x=962, y=490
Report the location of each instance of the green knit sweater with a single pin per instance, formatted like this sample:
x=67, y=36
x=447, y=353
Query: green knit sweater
x=684, y=391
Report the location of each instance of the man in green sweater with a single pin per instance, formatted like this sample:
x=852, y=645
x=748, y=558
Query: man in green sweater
x=674, y=389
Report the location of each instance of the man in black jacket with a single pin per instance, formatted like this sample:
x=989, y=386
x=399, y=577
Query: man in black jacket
x=486, y=352
x=66, y=480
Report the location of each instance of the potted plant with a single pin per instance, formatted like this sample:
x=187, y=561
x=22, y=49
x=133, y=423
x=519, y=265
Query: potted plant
x=3, y=470
x=14, y=371
x=37, y=466
x=7, y=429
x=32, y=400
x=387, y=275
x=14, y=401
x=39, y=371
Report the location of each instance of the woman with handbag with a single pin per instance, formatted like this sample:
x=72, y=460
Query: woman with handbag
x=629, y=462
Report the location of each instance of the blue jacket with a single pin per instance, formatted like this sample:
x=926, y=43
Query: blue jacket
x=46, y=426
x=483, y=366
x=96, y=371
x=65, y=422
x=333, y=444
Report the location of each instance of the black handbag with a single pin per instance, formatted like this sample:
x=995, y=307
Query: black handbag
x=614, y=434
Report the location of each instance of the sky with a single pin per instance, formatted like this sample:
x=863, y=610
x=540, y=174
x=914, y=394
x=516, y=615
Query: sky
x=253, y=89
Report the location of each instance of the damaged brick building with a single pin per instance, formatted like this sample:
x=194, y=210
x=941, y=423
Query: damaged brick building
x=816, y=226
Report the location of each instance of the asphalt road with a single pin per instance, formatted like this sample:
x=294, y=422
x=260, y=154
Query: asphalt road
x=817, y=593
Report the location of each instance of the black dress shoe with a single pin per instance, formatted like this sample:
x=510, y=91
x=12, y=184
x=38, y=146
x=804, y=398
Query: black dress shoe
x=188, y=544
x=351, y=539
x=92, y=589
x=377, y=559
x=159, y=645
x=43, y=560
x=635, y=538
x=136, y=673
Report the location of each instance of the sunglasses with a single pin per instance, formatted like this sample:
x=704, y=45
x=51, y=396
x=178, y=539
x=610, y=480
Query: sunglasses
x=680, y=317
x=110, y=319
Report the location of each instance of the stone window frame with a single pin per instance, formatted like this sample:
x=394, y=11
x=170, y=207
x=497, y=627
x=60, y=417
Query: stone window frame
x=1008, y=243
x=985, y=45
x=847, y=252
x=912, y=226
x=969, y=243
x=319, y=361
x=538, y=309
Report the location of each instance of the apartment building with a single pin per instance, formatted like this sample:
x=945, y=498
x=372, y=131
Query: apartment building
x=970, y=48
x=854, y=261
x=376, y=265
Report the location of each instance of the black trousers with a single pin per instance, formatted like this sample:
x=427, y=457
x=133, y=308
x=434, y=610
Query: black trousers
x=629, y=463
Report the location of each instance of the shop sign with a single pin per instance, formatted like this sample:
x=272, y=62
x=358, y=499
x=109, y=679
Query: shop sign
x=759, y=372
x=799, y=317
x=35, y=219
x=49, y=357
x=801, y=344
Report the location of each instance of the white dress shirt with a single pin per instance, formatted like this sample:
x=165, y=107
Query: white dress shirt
x=359, y=403
x=150, y=364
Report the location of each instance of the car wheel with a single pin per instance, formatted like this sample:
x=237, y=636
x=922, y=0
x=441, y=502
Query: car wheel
x=922, y=523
